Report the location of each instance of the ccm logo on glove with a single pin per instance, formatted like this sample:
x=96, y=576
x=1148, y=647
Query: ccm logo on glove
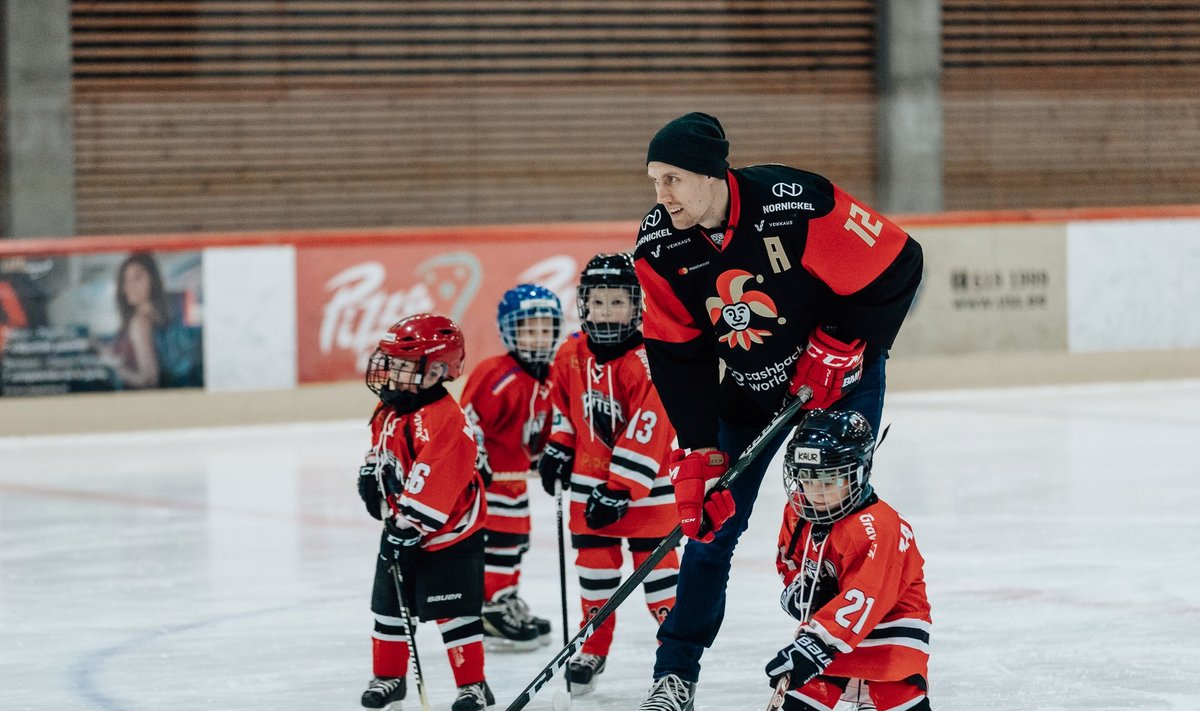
x=694, y=475
x=829, y=366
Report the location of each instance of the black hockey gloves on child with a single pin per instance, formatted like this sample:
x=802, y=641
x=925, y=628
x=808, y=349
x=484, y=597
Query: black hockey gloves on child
x=803, y=660
x=368, y=488
x=605, y=506
x=399, y=538
x=555, y=465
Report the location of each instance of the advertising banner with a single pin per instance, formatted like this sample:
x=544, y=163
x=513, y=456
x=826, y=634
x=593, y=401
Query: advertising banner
x=989, y=289
x=100, y=322
x=348, y=296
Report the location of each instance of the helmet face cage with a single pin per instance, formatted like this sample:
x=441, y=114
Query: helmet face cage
x=385, y=373
x=827, y=465
x=609, y=271
x=530, y=319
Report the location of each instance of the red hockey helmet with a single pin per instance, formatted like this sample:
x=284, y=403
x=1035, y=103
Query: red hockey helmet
x=433, y=343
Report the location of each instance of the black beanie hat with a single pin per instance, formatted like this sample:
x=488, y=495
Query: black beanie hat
x=694, y=142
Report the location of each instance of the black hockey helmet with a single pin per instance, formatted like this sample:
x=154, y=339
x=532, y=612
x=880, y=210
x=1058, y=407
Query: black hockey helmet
x=829, y=455
x=609, y=271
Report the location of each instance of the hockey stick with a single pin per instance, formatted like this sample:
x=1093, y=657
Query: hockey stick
x=561, y=704
x=412, y=635
x=398, y=579
x=781, y=688
x=782, y=419
x=514, y=476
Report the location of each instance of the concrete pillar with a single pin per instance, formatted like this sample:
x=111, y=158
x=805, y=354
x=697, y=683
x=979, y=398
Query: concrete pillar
x=38, y=187
x=908, y=72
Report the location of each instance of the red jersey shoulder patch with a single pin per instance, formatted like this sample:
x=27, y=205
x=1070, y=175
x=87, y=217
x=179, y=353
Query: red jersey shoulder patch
x=852, y=245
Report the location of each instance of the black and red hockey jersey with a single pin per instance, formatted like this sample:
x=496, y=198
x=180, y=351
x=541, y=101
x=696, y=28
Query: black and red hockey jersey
x=796, y=252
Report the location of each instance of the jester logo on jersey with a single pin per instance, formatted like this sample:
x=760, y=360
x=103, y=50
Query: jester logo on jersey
x=735, y=306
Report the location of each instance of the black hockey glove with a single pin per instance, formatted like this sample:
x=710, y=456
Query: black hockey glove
x=368, y=490
x=803, y=660
x=555, y=465
x=605, y=506
x=791, y=599
x=398, y=539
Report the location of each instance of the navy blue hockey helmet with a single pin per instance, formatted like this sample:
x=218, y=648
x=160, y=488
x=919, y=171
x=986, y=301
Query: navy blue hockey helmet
x=609, y=271
x=530, y=340
x=827, y=465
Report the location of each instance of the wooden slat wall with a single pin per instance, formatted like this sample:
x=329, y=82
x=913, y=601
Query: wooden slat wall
x=1071, y=103
x=258, y=114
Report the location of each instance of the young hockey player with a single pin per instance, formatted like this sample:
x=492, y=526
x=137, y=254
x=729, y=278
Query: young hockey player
x=420, y=479
x=608, y=447
x=853, y=575
x=508, y=398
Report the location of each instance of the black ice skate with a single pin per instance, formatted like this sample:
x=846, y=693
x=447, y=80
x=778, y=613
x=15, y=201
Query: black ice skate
x=505, y=632
x=582, y=671
x=670, y=693
x=520, y=610
x=384, y=692
x=473, y=697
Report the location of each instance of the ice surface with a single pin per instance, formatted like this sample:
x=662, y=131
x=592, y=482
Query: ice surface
x=231, y=569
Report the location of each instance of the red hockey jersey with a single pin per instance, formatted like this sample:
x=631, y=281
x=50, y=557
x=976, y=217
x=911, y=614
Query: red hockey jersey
x=512, y=409
x=433, y=453
x=610, y=414
x=871, y=606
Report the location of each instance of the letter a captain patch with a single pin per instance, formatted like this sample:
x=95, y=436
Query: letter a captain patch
x=779, y=259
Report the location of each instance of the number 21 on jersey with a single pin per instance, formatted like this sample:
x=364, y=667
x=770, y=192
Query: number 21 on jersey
x=854, y=615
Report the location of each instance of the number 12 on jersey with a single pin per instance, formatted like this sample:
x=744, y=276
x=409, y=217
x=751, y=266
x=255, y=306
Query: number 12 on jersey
x=860, y=224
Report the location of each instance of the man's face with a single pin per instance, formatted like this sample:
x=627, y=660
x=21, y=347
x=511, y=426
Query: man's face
x=689, y=197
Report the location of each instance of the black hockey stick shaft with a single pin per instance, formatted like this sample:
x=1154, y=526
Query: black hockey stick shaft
x=405, y=616
x=411, y=626
x=562, y=567
x=778, y=423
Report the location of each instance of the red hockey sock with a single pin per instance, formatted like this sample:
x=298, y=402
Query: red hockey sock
x=389, y=657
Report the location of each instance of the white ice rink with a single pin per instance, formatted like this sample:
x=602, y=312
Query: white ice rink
x=231, y=569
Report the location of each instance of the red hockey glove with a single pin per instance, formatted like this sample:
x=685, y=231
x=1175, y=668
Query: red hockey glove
x=693, y=475
x=828, y=366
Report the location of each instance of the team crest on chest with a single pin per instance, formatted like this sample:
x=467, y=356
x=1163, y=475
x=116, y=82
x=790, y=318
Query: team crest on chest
x=605, y=415
x=735, y=307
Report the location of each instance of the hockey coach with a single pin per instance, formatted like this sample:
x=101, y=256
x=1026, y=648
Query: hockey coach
x=788, y=281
